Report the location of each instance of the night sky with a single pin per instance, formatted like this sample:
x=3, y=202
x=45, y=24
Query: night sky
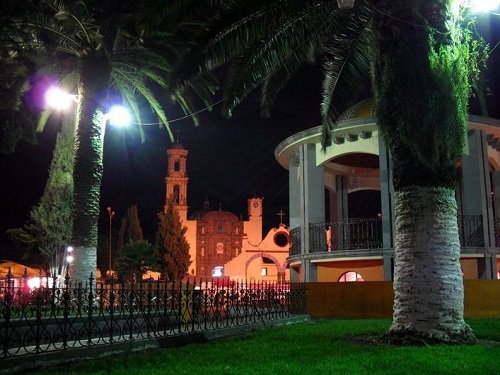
x=229, y=160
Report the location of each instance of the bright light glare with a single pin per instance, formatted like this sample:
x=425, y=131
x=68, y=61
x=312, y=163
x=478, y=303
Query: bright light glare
x=58, y=99
x=119, y=116
x=70, y=249
x=479, y=6
x=34, y=282
x=69, y=258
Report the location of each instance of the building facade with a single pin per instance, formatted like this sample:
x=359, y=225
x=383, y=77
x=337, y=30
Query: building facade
x=220, y=243
x=341, y=201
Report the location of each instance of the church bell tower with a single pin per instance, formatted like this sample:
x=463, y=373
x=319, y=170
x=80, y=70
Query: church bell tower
x=177, y=179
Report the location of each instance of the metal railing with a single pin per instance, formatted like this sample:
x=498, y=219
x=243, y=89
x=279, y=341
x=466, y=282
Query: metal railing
x=349, y=234
x=51, y=318
x=470, y=230
x=295, y=246
x=366, y=233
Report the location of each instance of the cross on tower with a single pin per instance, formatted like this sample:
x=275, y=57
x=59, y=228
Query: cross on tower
x=281, y=214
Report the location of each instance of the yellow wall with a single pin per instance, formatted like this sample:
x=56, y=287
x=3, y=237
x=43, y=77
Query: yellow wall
x=370, y=270
x=373, y=300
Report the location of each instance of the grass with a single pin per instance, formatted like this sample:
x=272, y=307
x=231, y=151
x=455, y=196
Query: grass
x=317, y=347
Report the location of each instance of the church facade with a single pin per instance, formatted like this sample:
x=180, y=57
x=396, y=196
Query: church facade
x=220, y=243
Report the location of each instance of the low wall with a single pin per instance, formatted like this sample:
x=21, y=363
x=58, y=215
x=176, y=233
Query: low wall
x=374, y=299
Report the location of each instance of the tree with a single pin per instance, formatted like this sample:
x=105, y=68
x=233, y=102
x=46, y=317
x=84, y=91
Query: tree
x=48, y=230
x=135, y=255
x=130, y=228
x=19, y=56
x=171, y=244
x=113, y=56
x=135, y=259
x=423, y=63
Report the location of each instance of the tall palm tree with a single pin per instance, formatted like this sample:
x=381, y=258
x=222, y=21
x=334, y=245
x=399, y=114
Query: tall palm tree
x=421, y=63
x=112, y=56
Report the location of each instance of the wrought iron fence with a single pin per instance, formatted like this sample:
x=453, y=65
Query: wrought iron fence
x=295, y=247
x=50, y=318
x=353, y=233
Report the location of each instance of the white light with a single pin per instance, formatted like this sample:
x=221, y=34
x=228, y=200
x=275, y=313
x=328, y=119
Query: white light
x=58, y=99
x=479, y=6
x=34, y=282
x=218, y=271
x=69, y=258
x=70, y=249
x=119, y=116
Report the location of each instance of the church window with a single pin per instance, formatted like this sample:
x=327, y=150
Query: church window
x=237, y=230
x=218, y=271
x=263, y=271
x=176, y=194
x=202, y=230
x=350, y=276
x=177, y=166
x=220, y=248
x=202, y=251
x=220, y=228
x=281, y=239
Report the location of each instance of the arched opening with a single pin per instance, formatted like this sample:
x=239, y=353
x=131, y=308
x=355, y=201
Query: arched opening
x=350, y=276
x=176, y=194
x=364, y=203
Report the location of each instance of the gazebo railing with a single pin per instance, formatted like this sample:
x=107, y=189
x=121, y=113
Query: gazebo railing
x=349, y=234
x=366, y=233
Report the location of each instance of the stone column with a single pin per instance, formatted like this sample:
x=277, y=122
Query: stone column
x=310, y=271
x=476, y=198
x=294, y=188
x=312, y=199
x=387, y=205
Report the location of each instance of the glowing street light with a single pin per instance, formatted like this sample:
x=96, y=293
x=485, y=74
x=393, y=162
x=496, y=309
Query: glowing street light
x=119, y=116
x=58, y=99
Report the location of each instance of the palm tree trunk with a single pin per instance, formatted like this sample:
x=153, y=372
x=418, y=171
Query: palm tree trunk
x=88, y=169
x=428, y=305
x=421, y=89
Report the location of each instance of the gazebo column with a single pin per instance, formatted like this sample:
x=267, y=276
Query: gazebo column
x=476, y=200
x=311, y=201
x=387, y=206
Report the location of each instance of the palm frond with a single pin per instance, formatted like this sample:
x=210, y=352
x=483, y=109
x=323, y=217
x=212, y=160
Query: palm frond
x=347, y=66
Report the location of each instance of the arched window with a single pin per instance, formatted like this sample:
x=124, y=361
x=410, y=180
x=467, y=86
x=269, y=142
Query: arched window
x=220, y=228
x=350, y=276
x=177, y=165
x=176, y=194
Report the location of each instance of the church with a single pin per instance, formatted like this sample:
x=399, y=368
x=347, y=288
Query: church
x=220, y=243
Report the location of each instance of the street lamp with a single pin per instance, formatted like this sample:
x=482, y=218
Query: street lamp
x=111, y=213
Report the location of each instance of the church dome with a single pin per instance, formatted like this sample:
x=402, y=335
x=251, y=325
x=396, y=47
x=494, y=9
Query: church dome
x=362, y=109
x=220, y=216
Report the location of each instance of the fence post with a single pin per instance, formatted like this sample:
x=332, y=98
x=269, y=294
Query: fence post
x=8, y=306
x=90, y=308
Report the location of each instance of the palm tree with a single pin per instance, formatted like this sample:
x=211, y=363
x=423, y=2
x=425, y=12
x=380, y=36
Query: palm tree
x=109, y=51
x=422, y=65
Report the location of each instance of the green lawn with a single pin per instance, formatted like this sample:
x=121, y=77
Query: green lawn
x=317, y=347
